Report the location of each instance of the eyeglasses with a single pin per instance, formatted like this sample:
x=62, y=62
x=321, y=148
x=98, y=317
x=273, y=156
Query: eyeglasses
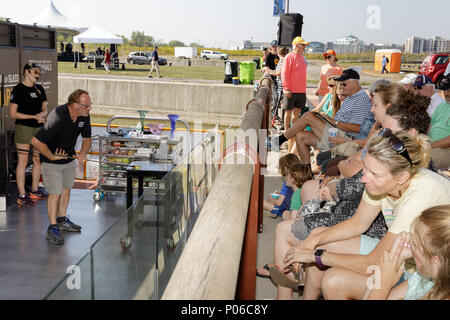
x=396, y=144
x=85, y=105
x=418, y=88
x=331, y=85
x=327, y=57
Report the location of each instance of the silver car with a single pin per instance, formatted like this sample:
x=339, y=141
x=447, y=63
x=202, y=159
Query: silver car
x=209, y=54
x=143, y=57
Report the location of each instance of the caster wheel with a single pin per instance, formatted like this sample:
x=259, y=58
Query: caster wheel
x=170, y=245
x=125, y=243
x=97, y=196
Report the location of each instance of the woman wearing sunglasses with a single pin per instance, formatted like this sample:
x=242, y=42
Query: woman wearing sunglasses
x=327, y=70
x=397, y=183
x=29, y=108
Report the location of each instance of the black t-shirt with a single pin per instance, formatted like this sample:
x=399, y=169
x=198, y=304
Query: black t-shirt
x=29, y=101
x=271, y=61
x=155, y=55
x=60, y=132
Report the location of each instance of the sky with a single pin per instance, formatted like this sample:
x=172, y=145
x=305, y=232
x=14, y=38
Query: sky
x=226, y=23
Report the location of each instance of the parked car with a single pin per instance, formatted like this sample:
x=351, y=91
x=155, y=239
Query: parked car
x=144, y=57
x=434, y=65
x=208, y=54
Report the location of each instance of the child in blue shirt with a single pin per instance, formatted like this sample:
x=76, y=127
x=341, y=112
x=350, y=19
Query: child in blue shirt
x=278, y=206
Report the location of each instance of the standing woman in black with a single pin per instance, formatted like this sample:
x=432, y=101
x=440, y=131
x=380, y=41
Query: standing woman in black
x=29, y=108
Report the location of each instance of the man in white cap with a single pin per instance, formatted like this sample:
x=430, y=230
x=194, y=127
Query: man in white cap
x=424, y=85
x=408, y=80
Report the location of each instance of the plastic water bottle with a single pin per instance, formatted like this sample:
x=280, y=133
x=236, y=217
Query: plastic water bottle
x=332, y=132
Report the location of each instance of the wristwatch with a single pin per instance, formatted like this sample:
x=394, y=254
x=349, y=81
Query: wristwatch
x=318, y=254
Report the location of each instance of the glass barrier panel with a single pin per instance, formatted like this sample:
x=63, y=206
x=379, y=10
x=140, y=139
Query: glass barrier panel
x=124, y=257
x=76, y=283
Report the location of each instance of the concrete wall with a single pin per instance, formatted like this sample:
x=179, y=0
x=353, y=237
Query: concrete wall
x=213, y=103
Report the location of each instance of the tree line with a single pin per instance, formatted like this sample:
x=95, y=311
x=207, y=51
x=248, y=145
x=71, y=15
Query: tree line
x=140, y=39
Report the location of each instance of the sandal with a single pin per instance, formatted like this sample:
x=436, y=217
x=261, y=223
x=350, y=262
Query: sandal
x=281, y=279
x=266, y=267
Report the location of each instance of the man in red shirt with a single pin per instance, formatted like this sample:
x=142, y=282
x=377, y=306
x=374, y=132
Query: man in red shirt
x=293, y=75
x=107, y=61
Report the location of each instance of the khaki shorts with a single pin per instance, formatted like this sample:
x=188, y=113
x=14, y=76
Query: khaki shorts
x=24, y=134
x=323, y=144
x=441, y=157
x=57, y=177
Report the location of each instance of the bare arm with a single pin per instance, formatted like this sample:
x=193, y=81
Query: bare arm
x=45, y=151
x=442, y=143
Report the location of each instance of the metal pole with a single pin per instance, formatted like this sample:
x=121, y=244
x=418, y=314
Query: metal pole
x=287, y=6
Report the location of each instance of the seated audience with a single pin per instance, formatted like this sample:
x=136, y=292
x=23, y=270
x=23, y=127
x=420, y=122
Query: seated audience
x=296, y=176
x=331, y=103
x=429, y=244
x=354, y=110
x=397, y=183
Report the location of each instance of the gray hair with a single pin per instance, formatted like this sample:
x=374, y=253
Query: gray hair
x=377, y=84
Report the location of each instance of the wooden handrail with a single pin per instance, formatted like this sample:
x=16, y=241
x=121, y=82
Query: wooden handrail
x=209, y=264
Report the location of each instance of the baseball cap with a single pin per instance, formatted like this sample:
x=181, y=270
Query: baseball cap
x=30, y=66
x=299, y=40
x=422, y=80
x=408, y=79
x=444, y=83
x=329, y=53
x=348, y=74
x=274, y=43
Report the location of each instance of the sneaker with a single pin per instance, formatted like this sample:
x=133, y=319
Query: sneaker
x=25, y=200
x=54, y=236
x=38, y=195
x=69, y=226
x=149, y=77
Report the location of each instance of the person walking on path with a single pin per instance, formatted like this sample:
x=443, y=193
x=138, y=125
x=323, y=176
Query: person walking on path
x=384, y=62
x=29, y=108
x=155, y=64
x=56, y=142
x=107, y=61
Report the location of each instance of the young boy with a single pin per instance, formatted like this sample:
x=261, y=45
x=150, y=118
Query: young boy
x=278, y=206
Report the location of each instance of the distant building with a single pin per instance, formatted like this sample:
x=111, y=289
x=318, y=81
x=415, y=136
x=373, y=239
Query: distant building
x=419, y=45
x=249, y=45
x=348, y=44
x=315, y=47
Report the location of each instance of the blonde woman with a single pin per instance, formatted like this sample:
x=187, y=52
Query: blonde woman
x=398, y=184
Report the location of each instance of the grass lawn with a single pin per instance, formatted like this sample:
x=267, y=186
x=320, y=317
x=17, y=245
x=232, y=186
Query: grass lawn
x=206, y=73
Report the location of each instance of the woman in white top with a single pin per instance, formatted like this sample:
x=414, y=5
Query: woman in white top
x=397, y=184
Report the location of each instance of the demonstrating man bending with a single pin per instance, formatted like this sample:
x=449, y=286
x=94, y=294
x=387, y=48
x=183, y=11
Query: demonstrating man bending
x=354, y=110
x=56, y=143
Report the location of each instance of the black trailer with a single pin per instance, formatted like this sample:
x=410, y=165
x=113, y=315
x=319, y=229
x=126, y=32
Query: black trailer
x=19, y=45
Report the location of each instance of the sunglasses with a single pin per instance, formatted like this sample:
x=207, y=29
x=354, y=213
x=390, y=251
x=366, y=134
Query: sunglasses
x=331, y=85
x=327, y=57
x=418, y=88
x=396, y=144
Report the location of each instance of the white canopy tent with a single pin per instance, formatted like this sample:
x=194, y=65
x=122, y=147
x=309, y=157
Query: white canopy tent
x=53, y=18
x=97, y=35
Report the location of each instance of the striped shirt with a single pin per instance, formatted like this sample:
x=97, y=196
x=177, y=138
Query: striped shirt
x=279, y=80
x=355, y=109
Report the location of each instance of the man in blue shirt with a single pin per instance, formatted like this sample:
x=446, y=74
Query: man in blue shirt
x=384, y=62
x=155, y=65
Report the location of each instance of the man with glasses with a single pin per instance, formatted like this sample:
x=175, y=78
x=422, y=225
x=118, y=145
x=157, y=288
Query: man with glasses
x=355, y=109
x=424, y=85
x=56, y=142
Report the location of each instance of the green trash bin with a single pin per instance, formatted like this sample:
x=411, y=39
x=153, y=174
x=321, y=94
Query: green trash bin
x=247, y=72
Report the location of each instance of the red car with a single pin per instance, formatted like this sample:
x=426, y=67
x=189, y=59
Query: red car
x=434, y=65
